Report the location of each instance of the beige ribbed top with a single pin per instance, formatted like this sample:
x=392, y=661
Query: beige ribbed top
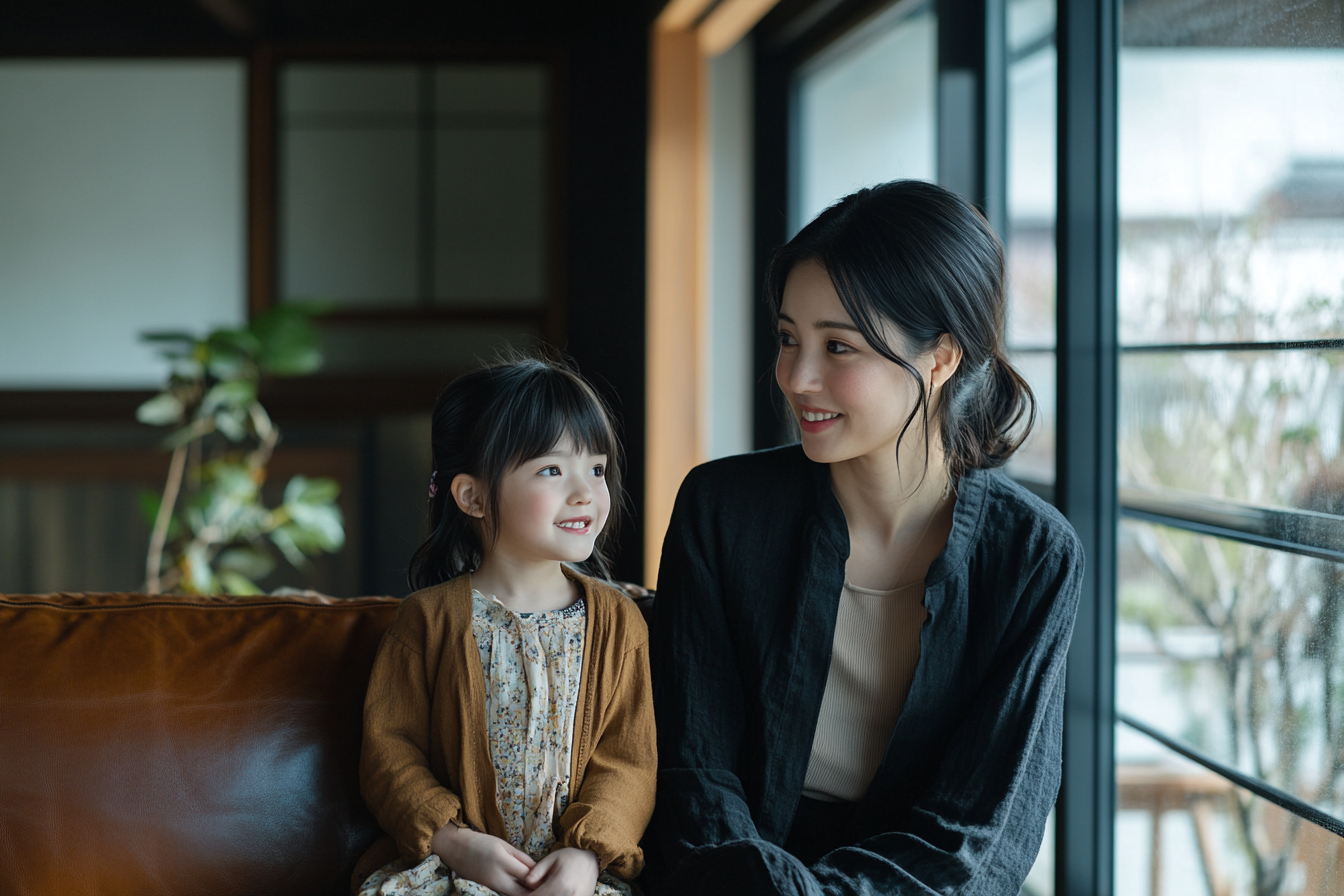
x=873, y=659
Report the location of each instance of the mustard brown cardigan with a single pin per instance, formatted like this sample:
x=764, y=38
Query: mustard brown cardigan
x=426, y=757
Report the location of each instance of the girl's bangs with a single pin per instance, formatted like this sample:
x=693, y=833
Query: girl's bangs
x=556, y=407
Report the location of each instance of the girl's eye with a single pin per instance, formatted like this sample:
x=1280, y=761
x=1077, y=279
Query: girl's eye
x=599, y=470
x=552, y=470
x=785, y=339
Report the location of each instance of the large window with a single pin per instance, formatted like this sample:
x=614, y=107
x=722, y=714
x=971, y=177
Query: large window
x=1230, y=268
x=866, y=111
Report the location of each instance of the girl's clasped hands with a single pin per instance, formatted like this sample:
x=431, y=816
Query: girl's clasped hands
x=509, y=871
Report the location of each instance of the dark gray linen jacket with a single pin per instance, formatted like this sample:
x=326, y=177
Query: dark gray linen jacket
x=748, y=592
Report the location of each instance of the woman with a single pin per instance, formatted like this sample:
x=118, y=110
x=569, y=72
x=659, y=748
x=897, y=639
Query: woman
x=860, y=640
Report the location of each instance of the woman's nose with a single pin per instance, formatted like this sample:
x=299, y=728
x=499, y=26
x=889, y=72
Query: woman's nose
x=802, y=373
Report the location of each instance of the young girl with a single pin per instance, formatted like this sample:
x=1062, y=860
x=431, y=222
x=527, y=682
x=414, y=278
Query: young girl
x=508, y=728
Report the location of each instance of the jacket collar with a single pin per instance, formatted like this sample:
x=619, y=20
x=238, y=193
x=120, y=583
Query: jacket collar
x=972, y=491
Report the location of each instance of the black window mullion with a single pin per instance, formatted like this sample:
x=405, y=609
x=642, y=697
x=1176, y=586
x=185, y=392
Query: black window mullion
x=1085, y=461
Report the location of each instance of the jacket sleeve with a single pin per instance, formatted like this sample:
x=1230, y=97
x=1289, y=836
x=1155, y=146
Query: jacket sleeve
x=615, y=800
x=405, y=797
x=978, y=826
x=698, y=694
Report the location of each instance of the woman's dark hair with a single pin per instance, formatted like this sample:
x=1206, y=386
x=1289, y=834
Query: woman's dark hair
x=924, y=259
x=486, y=423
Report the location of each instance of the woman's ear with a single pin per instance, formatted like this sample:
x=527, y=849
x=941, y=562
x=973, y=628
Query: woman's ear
x=468, y=494
x=946, y=360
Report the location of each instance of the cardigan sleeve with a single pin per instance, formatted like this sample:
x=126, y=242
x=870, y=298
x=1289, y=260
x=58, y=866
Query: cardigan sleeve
x=698, y=694
x=978, y=825
x=396, y=781
x=615, y=800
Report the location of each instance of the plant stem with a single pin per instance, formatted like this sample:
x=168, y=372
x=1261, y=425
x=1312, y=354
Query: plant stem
x=154, y=561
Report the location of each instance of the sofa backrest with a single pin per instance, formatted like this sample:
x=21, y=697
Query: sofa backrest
x=183, y=745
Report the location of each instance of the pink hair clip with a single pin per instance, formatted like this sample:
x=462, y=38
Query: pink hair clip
x=433, y=488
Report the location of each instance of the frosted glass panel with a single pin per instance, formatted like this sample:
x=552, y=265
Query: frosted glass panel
x=121, y=210
x=490, y=198
x=414, y=186
x=325, y=90
x=867, y=114
x=350, y=216
x=516, y=90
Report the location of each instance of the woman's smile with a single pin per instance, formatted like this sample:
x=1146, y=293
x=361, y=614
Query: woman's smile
x=814, y=420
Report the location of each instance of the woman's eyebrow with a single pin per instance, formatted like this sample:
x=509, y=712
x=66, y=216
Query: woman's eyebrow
x=824, y=324
x=834, y=325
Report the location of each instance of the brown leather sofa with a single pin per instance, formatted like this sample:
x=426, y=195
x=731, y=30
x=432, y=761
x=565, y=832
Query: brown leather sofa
x=171, y=745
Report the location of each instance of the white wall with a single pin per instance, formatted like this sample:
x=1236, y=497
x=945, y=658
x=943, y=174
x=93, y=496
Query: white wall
x=121, y=210
x=726, y=402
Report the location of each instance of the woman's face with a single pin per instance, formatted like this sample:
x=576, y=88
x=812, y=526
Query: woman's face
x=849, y=401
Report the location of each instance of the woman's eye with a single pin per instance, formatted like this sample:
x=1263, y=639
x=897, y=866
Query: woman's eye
x=785, y=339
x=837, y=348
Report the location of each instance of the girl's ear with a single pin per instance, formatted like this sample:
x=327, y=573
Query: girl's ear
x=468, y=494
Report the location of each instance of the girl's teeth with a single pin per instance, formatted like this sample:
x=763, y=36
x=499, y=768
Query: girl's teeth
x=815, y=416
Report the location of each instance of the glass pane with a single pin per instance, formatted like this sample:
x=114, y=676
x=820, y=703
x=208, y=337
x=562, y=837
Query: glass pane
x=490, y=145
x=1030, y=240
x=1236, y=650
x=348, y=183
x=412, y=186
x=349, y=219
x=1035, y=460
x=1182, y=830
x=490, y=233
x=1259, y=427
x=508, y=94
x=1231, y=193
x=121, y=210
x=867, y=113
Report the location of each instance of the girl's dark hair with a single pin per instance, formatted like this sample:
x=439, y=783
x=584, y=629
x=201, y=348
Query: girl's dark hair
x=924, y=259
x=486, y=423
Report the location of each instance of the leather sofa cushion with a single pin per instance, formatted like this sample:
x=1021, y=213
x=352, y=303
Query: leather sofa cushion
x=183, y=745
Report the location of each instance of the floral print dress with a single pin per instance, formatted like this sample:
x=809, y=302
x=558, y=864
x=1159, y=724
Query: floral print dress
x=533, y=665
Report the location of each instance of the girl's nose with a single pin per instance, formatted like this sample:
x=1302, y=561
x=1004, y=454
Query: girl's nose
x=582, y=492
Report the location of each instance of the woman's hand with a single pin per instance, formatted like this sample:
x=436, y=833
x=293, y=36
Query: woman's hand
x=565, y=872
x=489, y=861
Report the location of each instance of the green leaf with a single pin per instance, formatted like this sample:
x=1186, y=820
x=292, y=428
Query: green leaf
x=148, y=502
x=200, y=577
x=235, y=394
x=283, y=538
x=245, y=560
x=238, y=584
x=232, y=423
x=167, y=336
x=161, y=410
x=237, y=342
x=322, y=526
x=302, y=490
x=289, y=341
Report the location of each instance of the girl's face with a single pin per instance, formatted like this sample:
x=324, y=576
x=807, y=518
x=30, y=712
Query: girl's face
x=849, y=401
x=553, y=507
